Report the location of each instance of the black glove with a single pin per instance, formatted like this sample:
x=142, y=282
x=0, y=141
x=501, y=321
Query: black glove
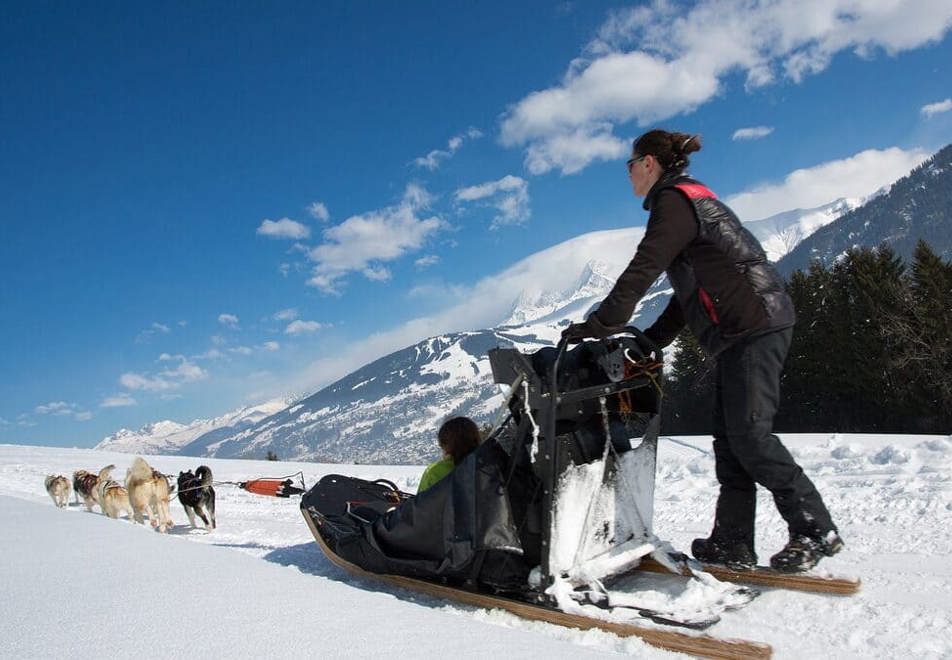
x=576, y=332
x=590, y=327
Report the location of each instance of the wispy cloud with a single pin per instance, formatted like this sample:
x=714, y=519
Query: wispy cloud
x=433, y=159
x=752, y=133
x=652, y=62
x=241, y=350
x=117, y=401
x=936, y=108
x=156, y=328
x=288, y=314
x=62, y=409
x=210, y=354
x=271, y=346
x=509, y=196
x=426, y=261
x=284, y=228
x=169, y=379
x=859, y=175
x=229, y=320
x=302, y=327
x=318, y=211
x=362, y=243
x=59, y=408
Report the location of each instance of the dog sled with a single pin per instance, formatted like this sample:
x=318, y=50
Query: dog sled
x=550, y=516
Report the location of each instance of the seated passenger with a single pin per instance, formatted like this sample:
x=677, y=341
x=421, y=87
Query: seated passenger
x=457, y=437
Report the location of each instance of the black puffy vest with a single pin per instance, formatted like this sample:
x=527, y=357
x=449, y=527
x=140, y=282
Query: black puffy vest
x=724, y=283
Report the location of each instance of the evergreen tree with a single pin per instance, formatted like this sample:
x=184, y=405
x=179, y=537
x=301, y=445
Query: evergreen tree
x=919, y=332
x=689, y=389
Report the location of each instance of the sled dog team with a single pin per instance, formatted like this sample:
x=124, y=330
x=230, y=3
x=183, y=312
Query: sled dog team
x=145, y=494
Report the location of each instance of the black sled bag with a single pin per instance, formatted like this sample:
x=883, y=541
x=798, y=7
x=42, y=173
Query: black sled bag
x=459, y=531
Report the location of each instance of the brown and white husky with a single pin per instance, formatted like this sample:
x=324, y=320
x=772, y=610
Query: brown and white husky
x=113, y=498
x=86, y=485
x=58, y=488
x=149, y=493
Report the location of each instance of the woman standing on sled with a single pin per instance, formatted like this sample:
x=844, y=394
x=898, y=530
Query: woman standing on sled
x=734, y=302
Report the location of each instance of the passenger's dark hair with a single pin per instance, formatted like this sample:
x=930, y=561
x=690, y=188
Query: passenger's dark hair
x=670, y=149
x=457, y=437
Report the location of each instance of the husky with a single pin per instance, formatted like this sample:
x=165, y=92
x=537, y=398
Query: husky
x=58, y=488
x=148, y=493
x=195, y=492
x=113, y=498
x=86, y=485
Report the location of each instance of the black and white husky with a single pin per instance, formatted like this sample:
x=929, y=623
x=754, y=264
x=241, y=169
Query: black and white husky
x=196, y=494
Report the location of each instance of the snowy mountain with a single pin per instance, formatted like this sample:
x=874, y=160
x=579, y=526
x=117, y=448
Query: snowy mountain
x=917, y=206
x=781, y=233
x=390, y=409
x=168, y=437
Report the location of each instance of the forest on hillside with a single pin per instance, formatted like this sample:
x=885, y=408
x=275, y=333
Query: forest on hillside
x=871, y=351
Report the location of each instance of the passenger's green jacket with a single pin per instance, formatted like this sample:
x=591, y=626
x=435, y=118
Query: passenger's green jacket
x=434, y=472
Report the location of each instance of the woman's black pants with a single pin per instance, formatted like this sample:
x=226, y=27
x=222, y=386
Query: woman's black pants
x=746, y=452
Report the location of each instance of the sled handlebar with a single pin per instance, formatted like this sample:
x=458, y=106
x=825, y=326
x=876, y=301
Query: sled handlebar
x=640, y=336
x=643, y=339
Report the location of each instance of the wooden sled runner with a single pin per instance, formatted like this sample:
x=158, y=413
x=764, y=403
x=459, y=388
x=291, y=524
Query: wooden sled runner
x=768, y=577
x=704, y=646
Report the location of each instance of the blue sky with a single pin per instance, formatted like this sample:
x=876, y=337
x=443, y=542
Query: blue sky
x=207, y=205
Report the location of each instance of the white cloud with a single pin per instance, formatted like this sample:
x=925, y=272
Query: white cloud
x=302, y=327
x=284, y=228
x=286, y=314
x=117, y=401
x=509, y=196
x=433, y=159
x=241, y=350
x=318, y=211
x=859, y=175
x=685, y=53
x=271, y=346
x=229, y=320
x=426, y=261
x=169, y=379
x=133, y=381
x=55, y=408
x=362, y=242
x=284, y=269
x=573, y=150
x=936, y=108
x=376, y=273
x=752, y=133
x=60, y=409
x=182, y=324
x=185, y=372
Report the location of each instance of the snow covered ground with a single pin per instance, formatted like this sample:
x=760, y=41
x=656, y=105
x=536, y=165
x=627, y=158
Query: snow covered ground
x=77, y=584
